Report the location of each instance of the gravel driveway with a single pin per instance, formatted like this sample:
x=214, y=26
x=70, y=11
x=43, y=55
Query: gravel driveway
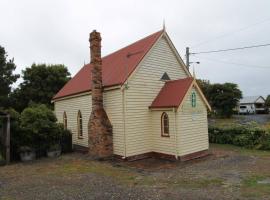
x=228, y=173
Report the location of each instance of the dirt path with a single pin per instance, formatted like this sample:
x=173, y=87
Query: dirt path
x=229, y=173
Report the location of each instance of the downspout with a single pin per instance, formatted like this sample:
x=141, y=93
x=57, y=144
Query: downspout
x=176, y=133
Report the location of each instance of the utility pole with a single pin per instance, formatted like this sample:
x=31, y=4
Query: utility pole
x=187, y=58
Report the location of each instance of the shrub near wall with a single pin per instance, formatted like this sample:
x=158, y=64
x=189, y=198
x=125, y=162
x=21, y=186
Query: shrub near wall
x=42, y=131
x=65, y=139
x=242, y=135
x=37, y=128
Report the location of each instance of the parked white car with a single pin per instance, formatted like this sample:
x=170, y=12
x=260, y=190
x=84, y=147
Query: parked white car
x=252, y=105
x=247, y=109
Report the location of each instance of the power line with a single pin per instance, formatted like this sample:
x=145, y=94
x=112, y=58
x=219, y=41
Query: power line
x=231, y=49
x=235, y=63
x=231, y=33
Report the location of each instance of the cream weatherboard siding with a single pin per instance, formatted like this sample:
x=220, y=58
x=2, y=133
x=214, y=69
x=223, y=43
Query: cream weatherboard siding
x=166, y=145
x=143, y=87
x=113, y=106
x=136, y=128
x=71, y=106
x=192, y=126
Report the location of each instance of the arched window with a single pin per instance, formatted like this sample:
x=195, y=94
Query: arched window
x=80, y=125
x=165, y=125
x=65, y=120
x=193, y=99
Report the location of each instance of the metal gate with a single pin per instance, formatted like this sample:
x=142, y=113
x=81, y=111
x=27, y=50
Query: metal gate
x=4, y=138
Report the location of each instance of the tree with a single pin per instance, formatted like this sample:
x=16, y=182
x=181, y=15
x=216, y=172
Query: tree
x=40, y=83
x=7, y=78
x=39, y=129
x=267, y=101
x=224, y=98
x=205, y=86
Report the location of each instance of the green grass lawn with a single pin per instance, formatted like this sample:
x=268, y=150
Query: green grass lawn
x=235, y=121
x=224, y=122
x=240, y=150
x=251, y=187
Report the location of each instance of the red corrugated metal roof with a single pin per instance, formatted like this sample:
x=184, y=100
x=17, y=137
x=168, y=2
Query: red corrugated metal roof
x=172, y=93
x=116, y=67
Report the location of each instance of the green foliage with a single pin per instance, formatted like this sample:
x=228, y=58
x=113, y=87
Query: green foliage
x=204, y=86
x=222, y=97
x=248, y=136
x=36, y=128
x=267, y=101
x=40, y=83
x=65, y=139
x=16, y=133
x=39, y=125
x=7, y=78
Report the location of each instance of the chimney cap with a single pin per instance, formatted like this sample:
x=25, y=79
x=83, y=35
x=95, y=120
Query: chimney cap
x=94, y=35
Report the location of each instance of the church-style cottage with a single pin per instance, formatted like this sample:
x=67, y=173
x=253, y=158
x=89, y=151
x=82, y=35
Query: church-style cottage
x=137, y=102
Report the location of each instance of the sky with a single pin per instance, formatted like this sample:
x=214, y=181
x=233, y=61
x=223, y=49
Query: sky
x=57, y=32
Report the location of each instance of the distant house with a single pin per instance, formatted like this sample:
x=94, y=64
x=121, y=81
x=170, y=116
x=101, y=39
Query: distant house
x=139, y=101
x=252, y=105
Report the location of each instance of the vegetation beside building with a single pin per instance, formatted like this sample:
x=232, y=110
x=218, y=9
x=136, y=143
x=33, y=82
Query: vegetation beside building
x=223, y=98
x=249, y=136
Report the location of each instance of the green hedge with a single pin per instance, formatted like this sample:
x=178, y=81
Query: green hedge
x=65, y=139
x=37, y=128
x=242, y=135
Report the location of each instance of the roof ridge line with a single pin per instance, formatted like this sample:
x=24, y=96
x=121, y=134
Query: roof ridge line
x=131, y=44
x=127, y=46
x=118, y=76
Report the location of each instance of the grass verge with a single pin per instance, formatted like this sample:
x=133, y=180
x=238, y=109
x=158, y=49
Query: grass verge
x=240, y=150
x=252, y=188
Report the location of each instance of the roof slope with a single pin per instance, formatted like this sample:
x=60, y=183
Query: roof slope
x=116, y=67
x=250, y=99
x=172, y=93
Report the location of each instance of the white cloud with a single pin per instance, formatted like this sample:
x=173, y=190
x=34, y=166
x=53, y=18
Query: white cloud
x=57, y=32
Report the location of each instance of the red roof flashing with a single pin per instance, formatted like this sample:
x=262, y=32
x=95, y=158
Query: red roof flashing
x=116, y=67
x=172, y=93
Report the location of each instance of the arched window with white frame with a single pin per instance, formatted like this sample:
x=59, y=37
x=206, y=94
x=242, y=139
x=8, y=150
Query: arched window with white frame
x=80, y=125
x=165, y=125
x=65, y=120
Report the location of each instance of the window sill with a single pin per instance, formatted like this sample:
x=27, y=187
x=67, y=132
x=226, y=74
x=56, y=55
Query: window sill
x=163, y=135
x=80, y=137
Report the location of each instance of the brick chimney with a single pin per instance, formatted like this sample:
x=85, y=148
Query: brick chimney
x=100, y=128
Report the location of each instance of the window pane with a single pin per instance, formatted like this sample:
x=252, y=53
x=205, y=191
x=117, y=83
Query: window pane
x=193, y=99
x=80, y=126
x=65, y=120
x=165, y=124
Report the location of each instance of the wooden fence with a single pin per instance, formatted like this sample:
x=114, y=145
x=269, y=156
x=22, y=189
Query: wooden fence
x=5, y=137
